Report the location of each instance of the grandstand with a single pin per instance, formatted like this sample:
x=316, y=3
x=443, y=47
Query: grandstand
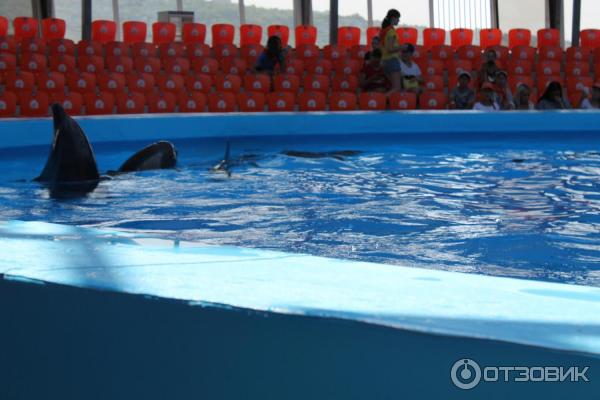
x=163, y=67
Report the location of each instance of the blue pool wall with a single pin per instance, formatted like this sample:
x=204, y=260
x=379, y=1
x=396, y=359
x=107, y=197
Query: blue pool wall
x=557, y=124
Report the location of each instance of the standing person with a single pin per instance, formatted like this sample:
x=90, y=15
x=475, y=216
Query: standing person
x=462, y=97
x=390, y=49
x=271, y=56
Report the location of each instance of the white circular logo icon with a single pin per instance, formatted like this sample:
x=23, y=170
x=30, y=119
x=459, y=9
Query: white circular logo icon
x=465, y=374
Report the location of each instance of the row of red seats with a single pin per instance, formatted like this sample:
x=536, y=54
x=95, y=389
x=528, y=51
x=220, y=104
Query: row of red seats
x=348, y=36
x=35, y=104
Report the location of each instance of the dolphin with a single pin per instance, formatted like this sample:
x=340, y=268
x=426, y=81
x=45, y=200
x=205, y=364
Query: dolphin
x=71, y=165
x=338, y=154
x=159, y=155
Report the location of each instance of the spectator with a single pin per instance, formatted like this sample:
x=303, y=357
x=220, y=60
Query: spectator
x=462, y=97
x=390, y=49
x=487, y=98
x=593, y=102
x=412, y=78
x=274, y=54
x=522, y=98
x=375, y=44
x=488, y=72
x=503, y=92
x=553, y=98
x=373, y=78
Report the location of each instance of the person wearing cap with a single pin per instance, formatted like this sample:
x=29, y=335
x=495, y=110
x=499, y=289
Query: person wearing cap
x=591, y=101
x=503, y=92
x=462, y=97
x=553, y=98
x=487, y=97
x=522, y=98
x=412, y=78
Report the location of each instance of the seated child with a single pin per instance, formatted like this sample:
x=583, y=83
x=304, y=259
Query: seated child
x=462, y=97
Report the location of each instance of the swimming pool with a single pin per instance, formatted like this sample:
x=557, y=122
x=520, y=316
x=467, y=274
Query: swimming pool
x=517, y=205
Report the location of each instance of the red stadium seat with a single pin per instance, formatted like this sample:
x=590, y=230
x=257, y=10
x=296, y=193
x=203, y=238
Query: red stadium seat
x=433, y=37
x=34, y=104
x=515, y=80
x=61, y=47
x=577, y=68
x=250, y=34
x=311, y=101
x=222, y=34
x=257, y=83
x=575, y=84
x=161, y=102
x=140, y=82
x=342, y=101
x=192, y=102
x=469, y=52
x=51, y=82
x=348, y=36
x=178, y=65
x=130, y=103
x=3, y=26
x=250, y=53
x=319, y=67
x=251, y=101
x=347, y=67
x=305, y=35
x=434, y=83
x=134, y=32
x=25, y=27
x=8, y=104
x=72, y=102
x=53, y=28
x=403, y=101
x=163, y=32
x=234, y=66
x=334, y=52
x=91, y=64
x=519, y=67
x=548, y=68
x=432, y=67
x=286, y=82
x=461, y=37
x=433, y=101
x=112, y=82
x=149, y=65
x=195, y=50
x=8, y=63
x=21, y=81
x=579, y=54
x=170, y=83
x=122, y=65
x=358, y=52
x=33, y=45
x=318, y=83
x=8, y=45
x=548, y=37
x=224, y=51
x=281, y=101
x=171, y=50
x=519, y=37
x=280, y=30
x=550, y=53
x=523, y=53
x=372, y=101
x=345, y=83
x=372, y=31
x=307, y=52
x=490, y=37
x=407, y=34
x=64, y=64
x=221, y=102
x=228, y=83
x=590, y=38
x=143, y=50
x=295, y=67
x=198, y=83
x=82, y=83
x=457, y=67
x=33, y=62
x=193, y=33
x=104, y=31
x=420, y=53
x=442, y=52
x=207, y=65
x=89, y=48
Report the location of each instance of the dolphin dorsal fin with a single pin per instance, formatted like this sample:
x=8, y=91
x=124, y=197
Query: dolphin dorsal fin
x=227, y=157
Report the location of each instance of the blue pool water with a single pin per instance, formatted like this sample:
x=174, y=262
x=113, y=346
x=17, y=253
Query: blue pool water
x=522, y=208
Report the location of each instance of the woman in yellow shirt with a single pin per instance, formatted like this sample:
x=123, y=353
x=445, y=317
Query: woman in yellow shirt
x=390, y=49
